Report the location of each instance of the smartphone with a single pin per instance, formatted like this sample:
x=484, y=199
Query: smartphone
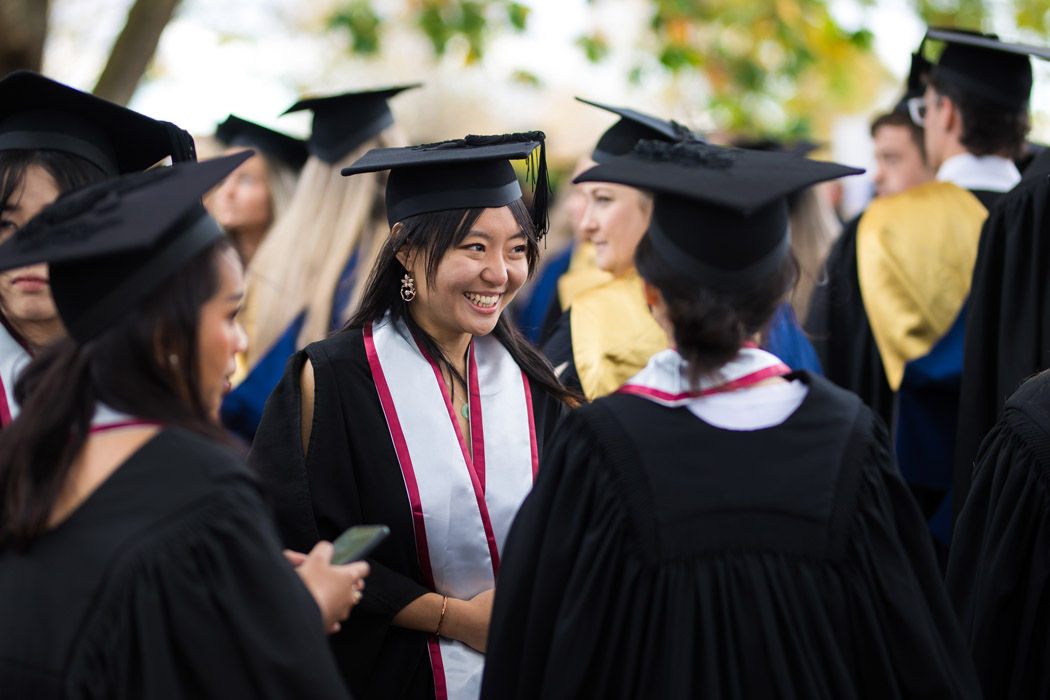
x=357, y=542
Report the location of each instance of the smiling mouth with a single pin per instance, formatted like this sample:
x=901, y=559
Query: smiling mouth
x=485, y=301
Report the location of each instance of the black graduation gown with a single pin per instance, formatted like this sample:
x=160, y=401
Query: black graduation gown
x=167, y=582
x=661, y=557
x=838, y=327
x=999, y=567
x=1007, y=336
x=351, y=477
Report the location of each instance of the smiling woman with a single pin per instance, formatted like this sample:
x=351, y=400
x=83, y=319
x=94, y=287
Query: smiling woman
x=428, y=386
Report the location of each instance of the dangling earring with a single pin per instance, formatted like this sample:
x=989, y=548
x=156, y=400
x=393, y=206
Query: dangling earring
x=408, y=287
x=173, y=360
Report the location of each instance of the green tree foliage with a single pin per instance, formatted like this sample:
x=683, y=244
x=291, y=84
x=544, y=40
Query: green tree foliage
x=785, y=67
x=440, y=21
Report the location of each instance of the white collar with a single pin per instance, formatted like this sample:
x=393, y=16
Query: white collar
x=665, y=378
x=993, y=173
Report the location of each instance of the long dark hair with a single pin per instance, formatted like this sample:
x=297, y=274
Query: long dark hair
x=146, y=366
x=432, y=235
x=710, y=326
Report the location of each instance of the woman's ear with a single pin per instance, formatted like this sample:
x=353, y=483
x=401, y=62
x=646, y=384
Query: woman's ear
x=652, y=295
x=403, y=253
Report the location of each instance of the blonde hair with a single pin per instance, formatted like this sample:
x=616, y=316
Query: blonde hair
x=814, y=229
x=299, y=264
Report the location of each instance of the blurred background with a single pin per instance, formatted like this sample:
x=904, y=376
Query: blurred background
x=791, y=69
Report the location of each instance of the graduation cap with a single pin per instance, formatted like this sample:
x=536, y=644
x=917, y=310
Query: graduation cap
x=111, y=244
x=720, y=214
x=633, y=126
x=474, y=171
x=983, y=65
x=273, y=144
x=343, y=122
x=916, y=84
x=38, y=113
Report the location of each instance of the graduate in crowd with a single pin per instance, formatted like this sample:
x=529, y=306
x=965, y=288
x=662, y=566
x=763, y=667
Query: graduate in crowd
x=427, y=413
x=1007, y=333
x=54, y=139
x=836, y=321
x=608, y=334
x=999, y=568
x=255, y=195
x=916, y=250
x=137, y=558
x=307, y=275
x=721, y=527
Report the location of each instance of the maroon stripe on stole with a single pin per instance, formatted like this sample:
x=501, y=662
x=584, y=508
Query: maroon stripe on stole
x=403, y=458
x=477, y=431
x=5, y=409
x=479, y=493
x=103, y=427
x=438, y=664
x=532, y=427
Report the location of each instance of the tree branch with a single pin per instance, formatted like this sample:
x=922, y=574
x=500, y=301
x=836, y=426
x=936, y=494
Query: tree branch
x=134, y=49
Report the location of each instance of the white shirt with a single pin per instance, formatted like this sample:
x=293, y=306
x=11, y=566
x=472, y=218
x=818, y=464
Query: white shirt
x=992, y=173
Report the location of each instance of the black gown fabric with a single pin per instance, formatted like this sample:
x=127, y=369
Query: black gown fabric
x=352, y=477
x=1007, y=334
x=558, y=351
x=167, y=582
x=838, y=327
x=661, y=557
x=999, y=568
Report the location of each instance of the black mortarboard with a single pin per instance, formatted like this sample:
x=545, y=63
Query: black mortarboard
x=916, y=85
x=110, y=244
x=984, y=66
x=37, y=113
x=273, y=144
x=343, y=122
x=474, y=171
x=633, y=126
x=720, y=214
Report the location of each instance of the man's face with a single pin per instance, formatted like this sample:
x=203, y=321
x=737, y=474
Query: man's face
x=899, y=164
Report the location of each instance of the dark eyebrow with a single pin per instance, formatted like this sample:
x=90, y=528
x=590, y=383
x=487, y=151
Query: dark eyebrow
x=487, y=237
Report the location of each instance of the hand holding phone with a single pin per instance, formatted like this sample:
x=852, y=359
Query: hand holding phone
x=357, y=542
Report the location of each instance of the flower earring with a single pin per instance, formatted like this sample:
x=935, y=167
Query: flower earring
x=408, y=287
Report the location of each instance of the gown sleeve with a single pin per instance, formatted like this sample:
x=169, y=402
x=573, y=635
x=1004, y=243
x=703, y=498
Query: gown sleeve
x=278, y=457
x=350, y=477
x=569, y=504
x=999, y=566
x=207, y=607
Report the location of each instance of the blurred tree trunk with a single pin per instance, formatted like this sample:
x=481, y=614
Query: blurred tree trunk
x=133, y=49
x=23, y=28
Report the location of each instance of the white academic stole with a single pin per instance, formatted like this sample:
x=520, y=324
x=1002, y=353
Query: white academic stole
x=13, y=359
x=462, y=506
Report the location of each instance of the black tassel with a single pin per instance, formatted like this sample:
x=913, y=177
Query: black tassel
x=182, y=147
x=541, y=190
